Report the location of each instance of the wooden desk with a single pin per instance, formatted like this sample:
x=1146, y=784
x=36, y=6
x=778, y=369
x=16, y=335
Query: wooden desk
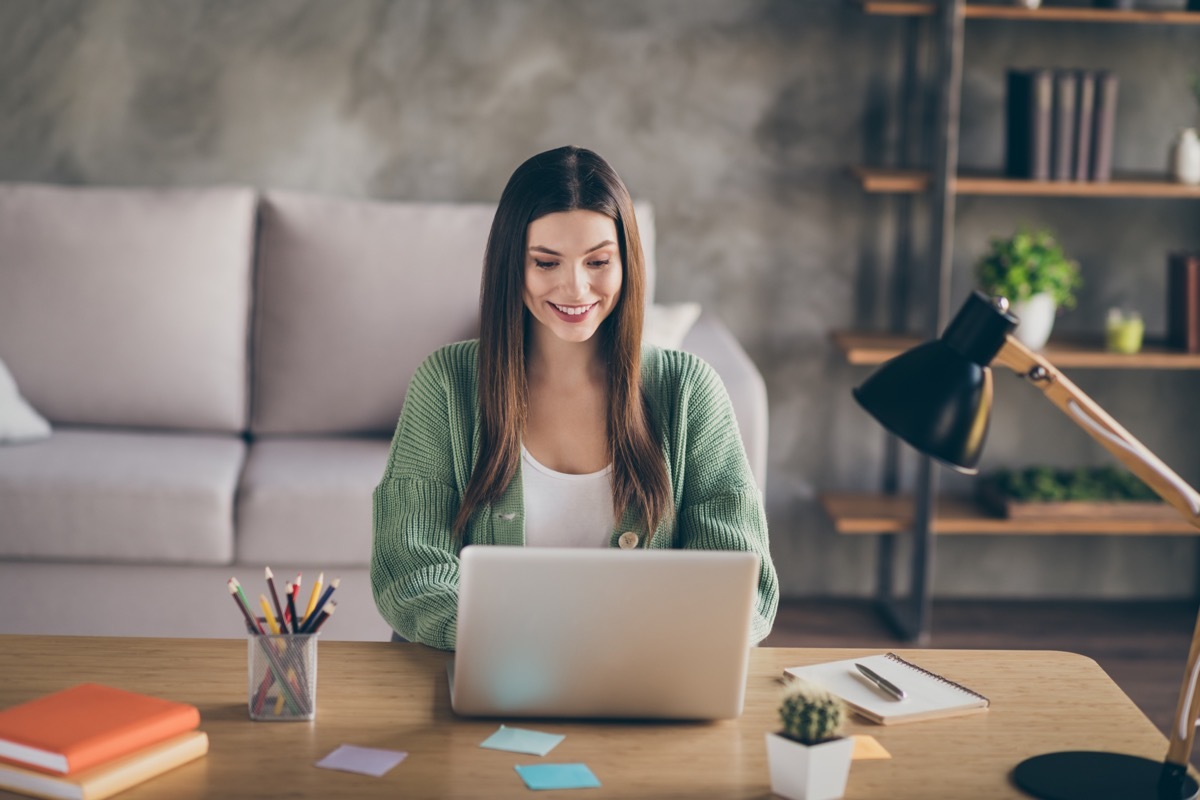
x=395, y=696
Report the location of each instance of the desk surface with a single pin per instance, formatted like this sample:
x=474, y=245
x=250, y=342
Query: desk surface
x=395, y=696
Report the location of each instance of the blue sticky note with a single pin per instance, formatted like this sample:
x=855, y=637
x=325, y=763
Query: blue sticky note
x=558, y=776
x=520, y=740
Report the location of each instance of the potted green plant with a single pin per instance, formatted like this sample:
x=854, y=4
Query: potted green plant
x=809, y=759
x=1032, y=271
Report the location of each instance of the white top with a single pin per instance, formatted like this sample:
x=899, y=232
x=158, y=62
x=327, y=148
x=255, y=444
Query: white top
x=564, y=510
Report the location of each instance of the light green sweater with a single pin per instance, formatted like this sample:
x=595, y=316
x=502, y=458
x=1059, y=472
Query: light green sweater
x=414, y=561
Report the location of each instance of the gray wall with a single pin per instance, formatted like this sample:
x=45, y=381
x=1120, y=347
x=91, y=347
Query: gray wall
x=736, y=119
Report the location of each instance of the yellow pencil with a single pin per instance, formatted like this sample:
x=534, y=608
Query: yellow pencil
x=316, y=592
x=266, y=607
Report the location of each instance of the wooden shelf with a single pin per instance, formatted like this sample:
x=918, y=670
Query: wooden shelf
x=863, y=348
x=854, y=513
x=901, y=181
x=1047, y=13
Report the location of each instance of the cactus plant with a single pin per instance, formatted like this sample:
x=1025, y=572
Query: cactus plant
x=810, y=714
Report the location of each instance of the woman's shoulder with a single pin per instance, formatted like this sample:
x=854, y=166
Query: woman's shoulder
x=451, y=363
x=676, y=372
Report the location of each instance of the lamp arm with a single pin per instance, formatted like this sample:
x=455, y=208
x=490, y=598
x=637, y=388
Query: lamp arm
x=1100, y=426
x=1158, y=476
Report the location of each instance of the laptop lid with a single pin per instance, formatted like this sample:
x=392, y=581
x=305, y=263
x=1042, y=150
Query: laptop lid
x=581, y=632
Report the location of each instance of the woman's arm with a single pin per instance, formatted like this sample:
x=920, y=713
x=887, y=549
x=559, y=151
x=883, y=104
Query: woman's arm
x=720, y=506
x=414, y=558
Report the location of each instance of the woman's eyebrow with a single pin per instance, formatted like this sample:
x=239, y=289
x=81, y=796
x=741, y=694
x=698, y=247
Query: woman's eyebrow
x=537, y=248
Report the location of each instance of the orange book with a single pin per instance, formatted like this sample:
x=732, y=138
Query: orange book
x=109, y=778
x=87, y=725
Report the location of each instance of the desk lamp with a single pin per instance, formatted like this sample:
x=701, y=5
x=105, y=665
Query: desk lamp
x=937, y=397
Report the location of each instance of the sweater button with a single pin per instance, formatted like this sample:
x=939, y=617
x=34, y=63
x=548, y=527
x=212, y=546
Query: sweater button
x=628, y=540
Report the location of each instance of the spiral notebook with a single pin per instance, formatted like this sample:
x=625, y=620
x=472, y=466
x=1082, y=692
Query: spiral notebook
x=927, y=694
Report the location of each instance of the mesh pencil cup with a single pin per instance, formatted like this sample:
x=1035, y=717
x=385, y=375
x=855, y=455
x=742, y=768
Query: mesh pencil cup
x=282, y=684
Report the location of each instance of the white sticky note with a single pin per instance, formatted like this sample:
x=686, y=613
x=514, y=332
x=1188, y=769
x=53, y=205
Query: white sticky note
x=363, y=760
x=522, y=740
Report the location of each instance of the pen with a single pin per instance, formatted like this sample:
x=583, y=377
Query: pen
x=882, y=682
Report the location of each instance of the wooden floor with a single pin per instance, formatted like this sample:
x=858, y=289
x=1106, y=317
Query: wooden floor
x=1143, y=646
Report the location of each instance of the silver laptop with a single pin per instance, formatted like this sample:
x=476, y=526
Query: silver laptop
x=580, y=632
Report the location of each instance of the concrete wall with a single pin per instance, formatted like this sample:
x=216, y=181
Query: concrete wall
x=736, y=119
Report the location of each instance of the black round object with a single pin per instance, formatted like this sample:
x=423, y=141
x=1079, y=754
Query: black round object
x=1092, y=775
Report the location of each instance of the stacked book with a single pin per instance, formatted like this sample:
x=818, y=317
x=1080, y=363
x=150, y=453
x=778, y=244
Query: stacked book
x=1183, y=301
x=90, y=741
x=1059, y=124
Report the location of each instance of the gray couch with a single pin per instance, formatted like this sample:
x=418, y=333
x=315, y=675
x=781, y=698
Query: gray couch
x=223, y=370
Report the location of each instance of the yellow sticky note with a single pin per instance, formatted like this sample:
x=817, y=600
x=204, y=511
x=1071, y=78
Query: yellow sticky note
x=867, y=747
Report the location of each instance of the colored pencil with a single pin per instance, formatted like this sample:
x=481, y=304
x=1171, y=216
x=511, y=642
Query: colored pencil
x=236, y=593
x=270, y=576
x=291, y=607
x=266, y=607
x=326, y=614
x=312, y=598
x=311, y=618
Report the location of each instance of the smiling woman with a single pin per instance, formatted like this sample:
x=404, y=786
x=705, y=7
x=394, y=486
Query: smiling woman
x=558, y=426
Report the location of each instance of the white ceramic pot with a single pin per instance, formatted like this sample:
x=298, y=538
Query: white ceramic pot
x=809, y=772
x=1028, y=3
x=1036, y=316
x=1185, y=157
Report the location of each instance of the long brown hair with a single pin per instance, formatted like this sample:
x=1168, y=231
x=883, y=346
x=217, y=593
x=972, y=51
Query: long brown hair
x=564, y=179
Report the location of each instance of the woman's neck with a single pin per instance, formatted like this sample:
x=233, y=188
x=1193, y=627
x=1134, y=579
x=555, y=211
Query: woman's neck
x=551, y=360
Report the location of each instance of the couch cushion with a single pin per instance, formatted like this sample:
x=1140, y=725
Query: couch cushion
x=308, y=501
x=128, y=306
x=352, y=295
x=120, y=496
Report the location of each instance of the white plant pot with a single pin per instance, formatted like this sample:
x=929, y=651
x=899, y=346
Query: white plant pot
x=1185, y=157
x=1028, y=3
x=809, y=772
x=1036, y=316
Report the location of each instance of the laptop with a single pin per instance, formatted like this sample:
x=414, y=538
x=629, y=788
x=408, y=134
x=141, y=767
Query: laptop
x=600, y=633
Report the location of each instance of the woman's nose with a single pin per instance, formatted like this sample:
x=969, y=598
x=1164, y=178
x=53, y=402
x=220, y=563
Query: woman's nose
x=576, y=279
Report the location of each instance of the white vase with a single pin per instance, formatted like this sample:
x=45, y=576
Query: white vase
x=1036, y=315
x=809, y=771
x=1185, y=157
x=1028, y=3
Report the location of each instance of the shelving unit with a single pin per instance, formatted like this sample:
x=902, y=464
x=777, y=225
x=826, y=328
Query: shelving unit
x=925, y=514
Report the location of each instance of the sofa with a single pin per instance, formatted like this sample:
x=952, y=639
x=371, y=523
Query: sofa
x=221, y=369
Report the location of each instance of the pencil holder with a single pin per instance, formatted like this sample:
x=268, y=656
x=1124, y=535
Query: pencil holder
x=283, y=677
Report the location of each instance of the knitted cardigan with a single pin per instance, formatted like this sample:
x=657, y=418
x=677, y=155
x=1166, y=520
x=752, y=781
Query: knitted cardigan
x=414, y=559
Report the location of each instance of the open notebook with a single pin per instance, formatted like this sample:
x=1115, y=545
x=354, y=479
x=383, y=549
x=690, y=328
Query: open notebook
x=928, y=695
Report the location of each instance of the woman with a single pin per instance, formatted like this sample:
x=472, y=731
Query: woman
x=557, y=427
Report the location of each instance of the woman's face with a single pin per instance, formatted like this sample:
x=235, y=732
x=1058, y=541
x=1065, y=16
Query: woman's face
x=573, y=273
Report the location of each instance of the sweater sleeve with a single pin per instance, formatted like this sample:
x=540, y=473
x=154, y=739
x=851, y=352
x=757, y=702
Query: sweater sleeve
x=414, y=557
x=721, y=506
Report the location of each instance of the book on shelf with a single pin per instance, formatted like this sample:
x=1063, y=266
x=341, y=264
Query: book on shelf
x=927, y=694
x=1183, y=301
x=1066, y=86
x=1029, y=123
x=1103, y=125
x=86, y=725
x=111, y=777
x=1085, y=104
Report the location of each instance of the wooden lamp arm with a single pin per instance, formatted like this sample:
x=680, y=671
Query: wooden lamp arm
x=1084, y=412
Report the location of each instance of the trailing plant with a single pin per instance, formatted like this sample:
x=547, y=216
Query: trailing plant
x=810, y=713
x=1028, y=263
x=1050, y=485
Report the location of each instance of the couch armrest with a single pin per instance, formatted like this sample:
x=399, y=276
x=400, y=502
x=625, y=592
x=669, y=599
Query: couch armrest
x=712, y=341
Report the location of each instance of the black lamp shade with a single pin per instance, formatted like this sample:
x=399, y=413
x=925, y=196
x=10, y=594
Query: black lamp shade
x=937, y=396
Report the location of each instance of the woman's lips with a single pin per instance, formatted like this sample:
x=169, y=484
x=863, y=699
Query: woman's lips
x=573, y=318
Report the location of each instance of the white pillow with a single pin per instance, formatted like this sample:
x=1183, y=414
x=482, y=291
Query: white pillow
x=666, y=326
x=18, y=421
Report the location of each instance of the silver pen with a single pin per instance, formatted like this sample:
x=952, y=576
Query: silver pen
x=882, y=682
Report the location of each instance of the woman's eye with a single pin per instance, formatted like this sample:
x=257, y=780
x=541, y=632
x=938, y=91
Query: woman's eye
x=543, y=264
x=599, y=264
